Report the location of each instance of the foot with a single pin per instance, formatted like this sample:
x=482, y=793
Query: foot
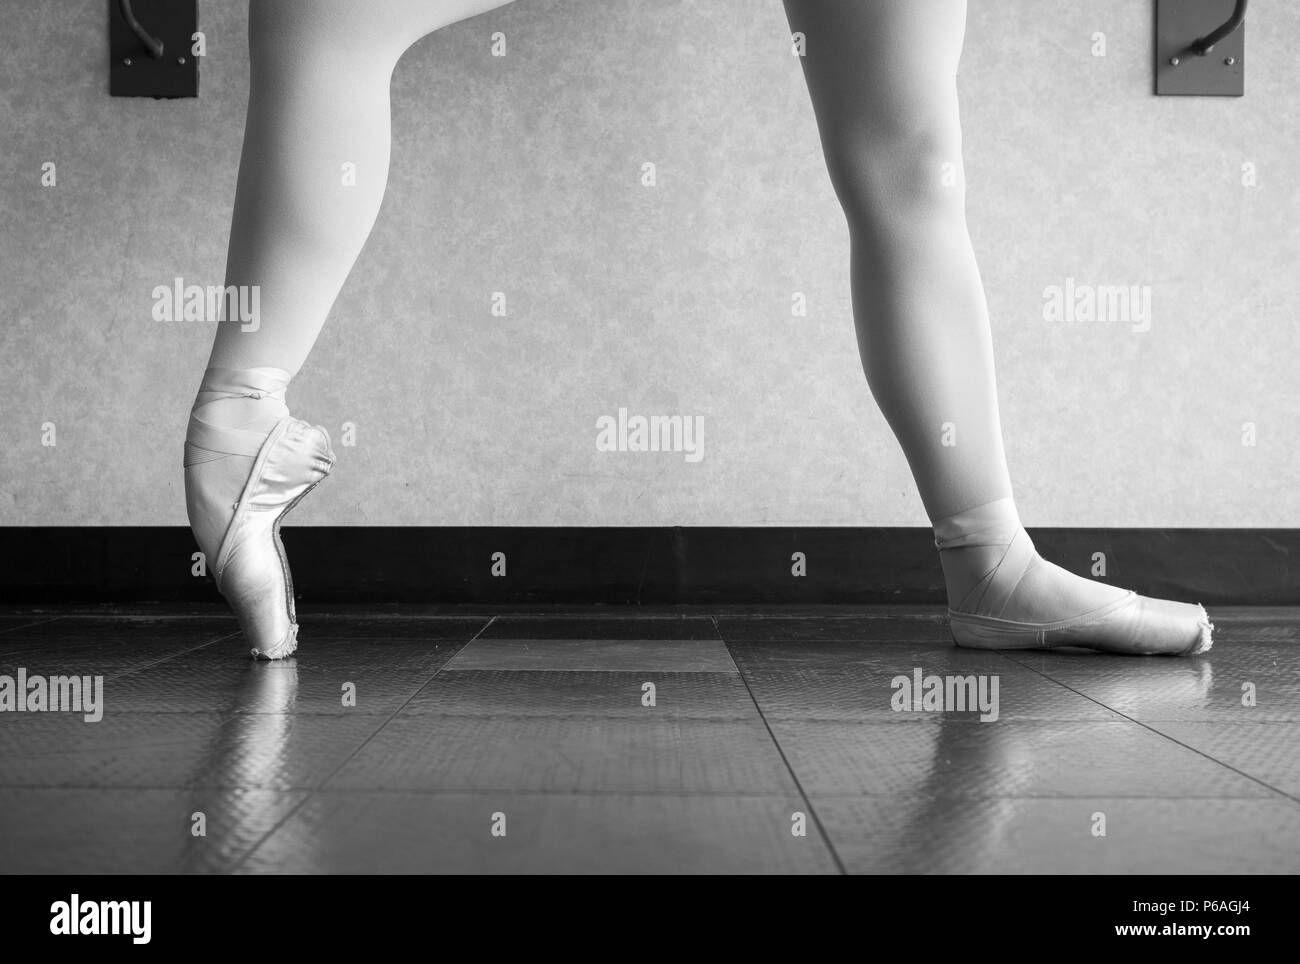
x=240, y=482
x=1003, y=595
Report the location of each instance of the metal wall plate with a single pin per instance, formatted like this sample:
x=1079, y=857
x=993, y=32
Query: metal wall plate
x=1220, y=73
x=132, y=71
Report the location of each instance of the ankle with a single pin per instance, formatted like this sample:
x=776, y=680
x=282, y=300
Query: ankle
x=993, y=523
x=234, y=398
x=978, y=548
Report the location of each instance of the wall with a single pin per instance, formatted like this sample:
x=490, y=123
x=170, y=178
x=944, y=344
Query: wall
x=522, y=175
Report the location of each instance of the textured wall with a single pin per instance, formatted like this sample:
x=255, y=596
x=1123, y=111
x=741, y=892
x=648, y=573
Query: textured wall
x=522, y=175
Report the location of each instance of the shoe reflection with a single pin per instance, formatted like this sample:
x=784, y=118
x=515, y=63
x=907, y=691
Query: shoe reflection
x=968, y=810
x=251, y=753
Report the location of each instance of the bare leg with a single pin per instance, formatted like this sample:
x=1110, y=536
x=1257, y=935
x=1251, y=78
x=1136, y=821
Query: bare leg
x=311, y=180
x=882, y=76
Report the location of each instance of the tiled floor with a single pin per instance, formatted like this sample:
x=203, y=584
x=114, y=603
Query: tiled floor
x=643, y=741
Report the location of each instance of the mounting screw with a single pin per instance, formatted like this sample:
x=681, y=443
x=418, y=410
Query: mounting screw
x=1230, y=60
x=1174, y=61
x=180, y=60
x=127, y=61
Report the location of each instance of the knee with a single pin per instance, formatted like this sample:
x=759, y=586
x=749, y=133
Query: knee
x=891, y=175
x=347, y=30
x=308, y=37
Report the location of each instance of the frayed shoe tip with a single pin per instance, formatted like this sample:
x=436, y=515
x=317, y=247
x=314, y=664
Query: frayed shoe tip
x=281, y=650
x=1206, y=639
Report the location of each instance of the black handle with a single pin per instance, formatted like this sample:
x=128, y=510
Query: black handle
x=1206, y=43
x=151, y=43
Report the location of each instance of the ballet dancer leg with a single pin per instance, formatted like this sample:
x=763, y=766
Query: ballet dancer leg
x=311, y=180
x=882, y=78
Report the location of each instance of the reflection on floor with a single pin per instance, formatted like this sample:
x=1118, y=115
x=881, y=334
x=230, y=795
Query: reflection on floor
x=658, y=741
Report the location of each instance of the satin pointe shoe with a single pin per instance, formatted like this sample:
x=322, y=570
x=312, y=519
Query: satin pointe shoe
x=251, y=569
x=1129, y=623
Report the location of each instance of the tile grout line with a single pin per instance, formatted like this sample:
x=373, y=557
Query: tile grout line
x=311, y=792
x=1164, y=736
x=171, y=656
x=38, y=622
x=132, y=669
x=812, y=811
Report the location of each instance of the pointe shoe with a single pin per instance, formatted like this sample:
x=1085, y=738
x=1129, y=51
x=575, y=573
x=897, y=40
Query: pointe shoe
x=1114, y=621
x=1134, y=624
x=251, y=570
x=994, y=572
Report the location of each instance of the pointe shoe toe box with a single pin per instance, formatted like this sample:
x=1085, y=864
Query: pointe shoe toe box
x=281, y=650
x=1142, y=626
x=252, y=571
x=1166, y=626
x=296, y=461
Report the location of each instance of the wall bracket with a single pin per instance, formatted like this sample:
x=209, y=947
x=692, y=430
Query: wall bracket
x=135, y=67
x=1180, y=69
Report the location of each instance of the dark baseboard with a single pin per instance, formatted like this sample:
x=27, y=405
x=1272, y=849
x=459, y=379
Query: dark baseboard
x=631, y=566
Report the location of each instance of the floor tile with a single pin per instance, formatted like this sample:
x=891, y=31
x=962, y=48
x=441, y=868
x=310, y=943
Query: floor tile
x=903, y=625
x=891, y=657
x=121, y=750
x=568, y=755
x=1212, y=687
x=868, y=693
x=1006, y=758
x=171, y=750
x=601, y=627
x=416, y=833
x=595, y=654
x=502, y=693
x=104, y=831
x=85, y=660
x=107, y=632
x=274, y=751
x=11, y=622
x=1269, y=752
x=340, y=676
x=323, y=626
x=1008, y=835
